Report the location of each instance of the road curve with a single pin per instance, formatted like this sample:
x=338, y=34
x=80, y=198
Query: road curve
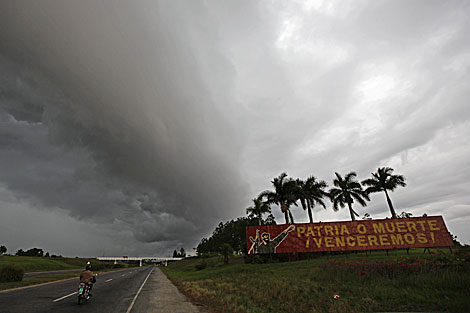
x=113, y=292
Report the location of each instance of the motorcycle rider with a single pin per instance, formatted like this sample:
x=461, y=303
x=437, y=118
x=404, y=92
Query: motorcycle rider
x=88, y=277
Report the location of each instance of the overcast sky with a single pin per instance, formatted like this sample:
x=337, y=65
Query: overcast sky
x=135, y=127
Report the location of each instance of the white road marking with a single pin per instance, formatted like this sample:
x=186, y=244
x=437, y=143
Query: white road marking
x=65, y=296
x=138, y=292
x=108, y=280
x=123, y=275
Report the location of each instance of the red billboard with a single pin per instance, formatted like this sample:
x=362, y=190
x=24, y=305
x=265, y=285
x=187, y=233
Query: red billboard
x=413, y=232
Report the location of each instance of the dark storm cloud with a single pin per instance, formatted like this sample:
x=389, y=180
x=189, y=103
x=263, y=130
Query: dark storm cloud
x=157, y=120
x=127, y=128
x=73, y=178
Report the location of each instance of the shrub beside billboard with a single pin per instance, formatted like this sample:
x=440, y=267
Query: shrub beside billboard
x=417, y=232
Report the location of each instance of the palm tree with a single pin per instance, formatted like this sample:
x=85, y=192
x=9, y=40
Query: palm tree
x=258, y=209
x=283, y=195
x=383, y=180
x=302, y=194
x=349, y=189
x=309, y=192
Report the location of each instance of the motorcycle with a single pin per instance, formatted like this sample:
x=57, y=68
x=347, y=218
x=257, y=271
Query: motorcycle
x=83, y=292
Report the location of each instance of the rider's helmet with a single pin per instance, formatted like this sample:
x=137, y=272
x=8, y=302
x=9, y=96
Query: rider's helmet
x=88, y=266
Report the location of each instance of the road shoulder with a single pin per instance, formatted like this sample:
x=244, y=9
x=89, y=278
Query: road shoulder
x=159, y=295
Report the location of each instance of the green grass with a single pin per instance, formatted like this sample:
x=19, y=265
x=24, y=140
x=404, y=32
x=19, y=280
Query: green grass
x=43, y=264
x=309, y=285
x=37, y=280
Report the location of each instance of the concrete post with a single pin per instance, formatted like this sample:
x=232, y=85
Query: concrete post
x=115, y=261
x=140, y=264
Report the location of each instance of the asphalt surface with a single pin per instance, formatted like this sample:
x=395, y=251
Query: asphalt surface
x=113, y=292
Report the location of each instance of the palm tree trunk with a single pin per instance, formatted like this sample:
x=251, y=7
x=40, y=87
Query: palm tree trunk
x=259, y=220
x=291, y=217
x=310, y=216
x=390, y=205
x=353, y=217
x=286, y=215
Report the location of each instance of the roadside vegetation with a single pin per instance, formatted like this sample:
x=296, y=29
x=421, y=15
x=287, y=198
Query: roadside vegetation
x=12, y=269
x=350, y=282
x=289, y=192
x=43, y=264
x=307, y=194
x=369, y=281
x=35, y=280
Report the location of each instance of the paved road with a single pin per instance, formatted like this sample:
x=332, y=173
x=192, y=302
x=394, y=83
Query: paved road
x=114, y=292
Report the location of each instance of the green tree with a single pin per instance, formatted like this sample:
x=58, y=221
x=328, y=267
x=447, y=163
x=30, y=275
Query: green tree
x=269, y=220
x=383, y=180
x=226, y=251
x=258, y=209
x=283, y=195
x=348, y=190
x=182, y=253
x=31, y=252
x=311, y=192
x=404, y=215
x=233, y=233
x=3, y=249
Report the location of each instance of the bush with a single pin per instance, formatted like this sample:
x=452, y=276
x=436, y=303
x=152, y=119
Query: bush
x=119, y=265
x=226, y=251
x=102, y=266
x=200, y=266
x=10, y=273
x=257, y=258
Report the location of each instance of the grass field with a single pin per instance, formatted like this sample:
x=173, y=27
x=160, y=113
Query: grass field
x=37, y=280
x=400, y=282
x=42, y=264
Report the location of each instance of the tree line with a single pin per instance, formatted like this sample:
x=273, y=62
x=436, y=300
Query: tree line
x=36, y=252
x=180, y=254
x=231, y=234
x=311, y=192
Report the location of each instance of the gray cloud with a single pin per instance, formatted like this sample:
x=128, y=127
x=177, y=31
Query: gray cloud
x=154, y=121
x=110, y=131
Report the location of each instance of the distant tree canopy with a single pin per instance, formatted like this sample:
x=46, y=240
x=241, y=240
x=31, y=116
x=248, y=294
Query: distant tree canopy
x=3, y=249
x=404, y=215
x=180, y=254
x=31, y=252
x=232, y=233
